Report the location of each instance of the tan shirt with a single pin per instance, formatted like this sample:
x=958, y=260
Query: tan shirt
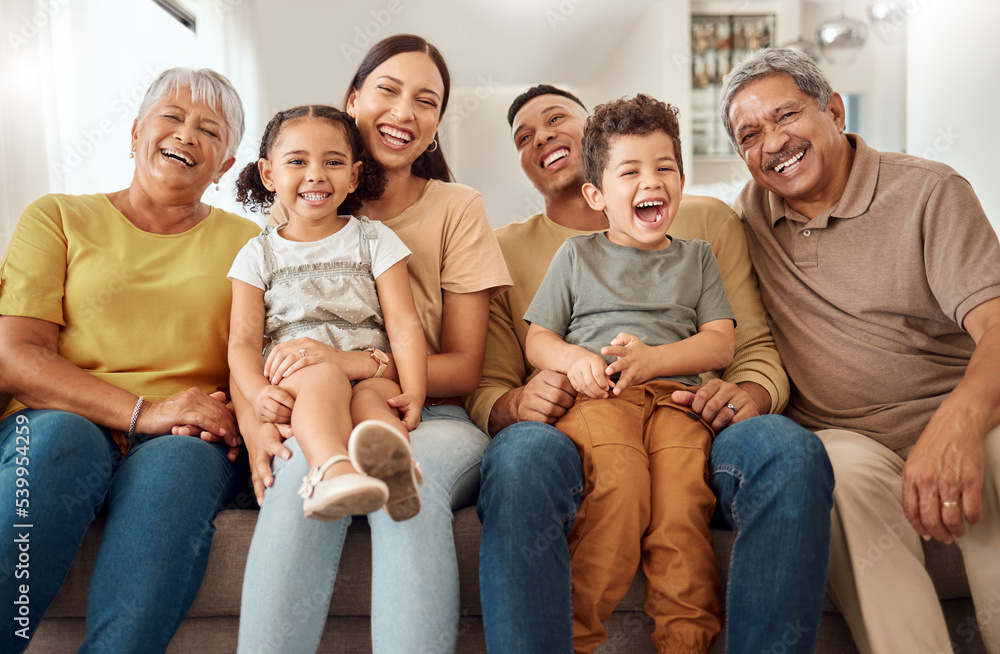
x=529, y=246
x=453, y=249
x=868, y=299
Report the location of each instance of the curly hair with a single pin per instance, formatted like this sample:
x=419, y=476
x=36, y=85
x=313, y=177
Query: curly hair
x=250, y=190
x=626, y=117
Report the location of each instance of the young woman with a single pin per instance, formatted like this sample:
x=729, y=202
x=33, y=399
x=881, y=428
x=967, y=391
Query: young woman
x=397, y=98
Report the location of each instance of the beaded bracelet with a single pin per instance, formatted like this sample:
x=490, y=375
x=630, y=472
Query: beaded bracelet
x=135, y=417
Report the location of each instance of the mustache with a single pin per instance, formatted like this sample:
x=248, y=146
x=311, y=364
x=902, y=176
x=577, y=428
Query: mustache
x=787, y=152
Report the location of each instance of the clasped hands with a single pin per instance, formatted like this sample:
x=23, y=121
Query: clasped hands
x=549, y=394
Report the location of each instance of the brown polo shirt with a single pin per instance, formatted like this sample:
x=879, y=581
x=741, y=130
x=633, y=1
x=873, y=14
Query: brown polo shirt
x=866, y=301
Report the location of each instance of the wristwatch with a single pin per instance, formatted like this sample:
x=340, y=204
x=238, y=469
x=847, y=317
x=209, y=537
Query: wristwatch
x=380, y=358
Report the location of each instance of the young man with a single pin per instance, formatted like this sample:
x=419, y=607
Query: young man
x=765, y=471
x=882, y=276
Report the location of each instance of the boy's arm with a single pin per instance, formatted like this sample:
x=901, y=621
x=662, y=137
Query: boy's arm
x=546, y=349
x=710, y=349
x=406, y=334
x=246, y=363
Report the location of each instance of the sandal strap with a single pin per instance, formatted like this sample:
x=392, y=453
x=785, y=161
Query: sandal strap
x=316, y=475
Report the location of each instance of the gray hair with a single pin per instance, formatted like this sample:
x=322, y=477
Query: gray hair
x=773, y=61
x=207, y=87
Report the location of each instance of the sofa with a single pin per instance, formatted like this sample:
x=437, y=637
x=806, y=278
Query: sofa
x=211, y=624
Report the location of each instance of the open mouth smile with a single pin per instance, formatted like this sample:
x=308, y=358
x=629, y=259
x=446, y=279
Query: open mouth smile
x=786, y=161
x=314, y=197
x=177, y=155
x=650, y=212
x=555, y=156
x=394, y=136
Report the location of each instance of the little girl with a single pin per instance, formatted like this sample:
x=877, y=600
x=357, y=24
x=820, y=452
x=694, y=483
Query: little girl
x=317, y=275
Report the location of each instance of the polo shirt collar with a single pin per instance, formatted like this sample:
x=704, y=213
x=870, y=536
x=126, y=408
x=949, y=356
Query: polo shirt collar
x=858, y=194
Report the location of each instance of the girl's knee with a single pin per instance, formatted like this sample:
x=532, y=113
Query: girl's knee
x=384, y=388
x=324, y=373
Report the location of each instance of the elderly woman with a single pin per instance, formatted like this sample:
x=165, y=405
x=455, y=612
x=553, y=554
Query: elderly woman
x=113, y=323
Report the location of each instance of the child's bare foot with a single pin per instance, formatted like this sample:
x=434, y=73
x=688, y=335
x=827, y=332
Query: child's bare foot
x=332, y=498
x=381, y=451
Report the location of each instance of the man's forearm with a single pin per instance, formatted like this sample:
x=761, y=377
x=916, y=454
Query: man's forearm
x=759, y=395
x=504, y=411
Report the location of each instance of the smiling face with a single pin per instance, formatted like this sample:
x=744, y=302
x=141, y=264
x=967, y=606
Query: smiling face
x=398, y=109
x=547, y=133
x=791, y=145
x=310, y=169
x=180, y=146
x=641, y=190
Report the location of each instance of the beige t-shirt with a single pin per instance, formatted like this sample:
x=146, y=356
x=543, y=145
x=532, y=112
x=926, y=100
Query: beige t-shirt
x=867, y=300
x=146, y=312
x=454, y=249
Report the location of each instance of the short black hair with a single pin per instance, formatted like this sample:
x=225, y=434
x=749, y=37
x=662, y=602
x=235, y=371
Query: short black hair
x=534, y=92
x=636, y=116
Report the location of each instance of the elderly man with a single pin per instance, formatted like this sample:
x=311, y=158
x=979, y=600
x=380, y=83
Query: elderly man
x=881, y=275
x=772, y=480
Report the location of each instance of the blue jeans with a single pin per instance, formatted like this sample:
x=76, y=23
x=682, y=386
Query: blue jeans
x=774, y=483
x=774, y=487
x=532, y=481
x=161, y=498
x=293, y=561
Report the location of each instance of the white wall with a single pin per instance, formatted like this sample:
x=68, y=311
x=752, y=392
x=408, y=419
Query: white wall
x=877, y=73
x=642, y=60
x=953, y=95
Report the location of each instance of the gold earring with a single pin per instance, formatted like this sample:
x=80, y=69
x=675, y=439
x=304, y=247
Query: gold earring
x=131, y=154
x=433, y=147
x=216, y=185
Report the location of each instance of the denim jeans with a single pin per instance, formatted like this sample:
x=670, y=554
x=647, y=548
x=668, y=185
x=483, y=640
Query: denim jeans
x=532, y=481
x=161, y=498
x=293, y=561
x=774, y=483
x=774, y=486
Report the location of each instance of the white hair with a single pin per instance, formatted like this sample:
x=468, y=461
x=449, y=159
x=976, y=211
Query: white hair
x=773, y=61
x=207, y=87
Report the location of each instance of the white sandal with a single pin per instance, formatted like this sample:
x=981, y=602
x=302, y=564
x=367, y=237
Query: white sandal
x=346, y=494
x=378, y=449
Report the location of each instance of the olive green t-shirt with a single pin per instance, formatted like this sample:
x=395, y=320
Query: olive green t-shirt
x=595, y=289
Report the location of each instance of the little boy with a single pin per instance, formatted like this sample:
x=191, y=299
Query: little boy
x=631, y=315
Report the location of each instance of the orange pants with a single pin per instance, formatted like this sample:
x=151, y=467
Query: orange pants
x=645, y=460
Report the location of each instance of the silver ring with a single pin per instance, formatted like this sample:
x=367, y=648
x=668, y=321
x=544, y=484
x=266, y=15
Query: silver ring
x=949, y=505
x=303, y=353
x=732, y=408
